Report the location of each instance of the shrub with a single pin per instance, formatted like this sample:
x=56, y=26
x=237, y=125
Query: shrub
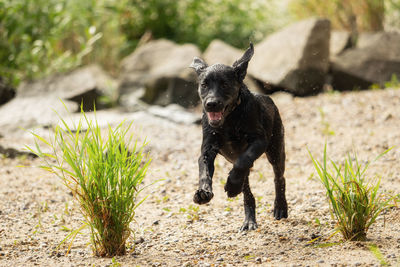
x=200, y=21
x=46, y=36
x=364, y=15
x=103, y=176
x=41, y=37
x=354, y=199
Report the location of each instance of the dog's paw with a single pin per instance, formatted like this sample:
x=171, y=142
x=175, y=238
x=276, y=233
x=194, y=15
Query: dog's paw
x=234, y=184
x=248, y=225
x=280, y=210
x=202, y=196
x=232, y=190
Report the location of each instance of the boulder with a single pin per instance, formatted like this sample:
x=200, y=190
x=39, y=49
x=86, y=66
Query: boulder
x=220, y=52
x=295, y=58
x=364, y=39
x=84, y=85
x=339, y=41
x=12, y=153
x=161, y=67
x=180, y=89
x=374, y=60
x=6, y=92
x=31, y=111
x=43, y=102
x=175, y=113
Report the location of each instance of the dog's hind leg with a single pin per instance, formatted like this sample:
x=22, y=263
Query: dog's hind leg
x=276, y=156
x=249, y=207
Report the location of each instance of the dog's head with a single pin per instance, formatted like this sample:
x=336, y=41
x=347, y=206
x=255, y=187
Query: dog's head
x=219, y=86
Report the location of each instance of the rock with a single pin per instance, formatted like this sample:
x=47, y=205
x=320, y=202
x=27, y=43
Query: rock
x=41, y=102
x=220, y=52
x=295, y=58
x=339, y=41
x=85, y=85
x=27, y=112
x=181, y=89
x=223, y=53
x=364, y=39
x=374, y=61
x=161, y=67
x=174, y=113
x=10, y=152
x=6, y=92
x=282, y=99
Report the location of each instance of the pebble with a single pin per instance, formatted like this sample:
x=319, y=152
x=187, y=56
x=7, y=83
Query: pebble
x=139, y=241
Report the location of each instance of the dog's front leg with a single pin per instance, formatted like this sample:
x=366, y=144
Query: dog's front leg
x=206, y=171
x=242, y=166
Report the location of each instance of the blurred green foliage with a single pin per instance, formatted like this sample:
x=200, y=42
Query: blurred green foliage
x=39, y=37
x=352, y=15
x=46, y=36
x=200, y=21
x=344, y=14
x=394, y=83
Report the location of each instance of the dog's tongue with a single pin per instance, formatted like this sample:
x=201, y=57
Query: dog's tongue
x=214, y=116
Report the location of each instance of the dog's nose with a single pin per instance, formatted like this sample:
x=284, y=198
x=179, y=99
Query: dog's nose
x=213, y=104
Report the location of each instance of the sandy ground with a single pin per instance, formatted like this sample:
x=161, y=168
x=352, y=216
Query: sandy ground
x=36, y=211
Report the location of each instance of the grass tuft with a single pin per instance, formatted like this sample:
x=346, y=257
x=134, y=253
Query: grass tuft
x=103, y=176
x=354, y=199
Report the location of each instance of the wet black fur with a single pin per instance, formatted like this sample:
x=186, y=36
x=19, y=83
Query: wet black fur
x=251, y=125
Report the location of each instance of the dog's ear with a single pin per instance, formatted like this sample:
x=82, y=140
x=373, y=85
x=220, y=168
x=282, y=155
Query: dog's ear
x=198, y=65
x=240, y=65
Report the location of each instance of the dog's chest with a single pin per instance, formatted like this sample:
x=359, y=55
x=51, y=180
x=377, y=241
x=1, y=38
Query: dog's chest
x=233, y=143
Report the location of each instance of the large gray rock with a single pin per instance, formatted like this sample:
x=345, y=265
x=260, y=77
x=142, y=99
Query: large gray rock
x=295, y=58
x=161, y=67
x=179, y=89
x=6, y=92
x=43, y=102
x=223, y=53
x=340, y=40
x=175, y=113
x=364, y=39
x=220, y=52
x=84, y=85
x=31, y=111
x=375, y=60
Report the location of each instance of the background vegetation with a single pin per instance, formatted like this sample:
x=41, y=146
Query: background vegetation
x=46, y=36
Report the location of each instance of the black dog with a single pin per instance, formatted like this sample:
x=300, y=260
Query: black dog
x=240, y=126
